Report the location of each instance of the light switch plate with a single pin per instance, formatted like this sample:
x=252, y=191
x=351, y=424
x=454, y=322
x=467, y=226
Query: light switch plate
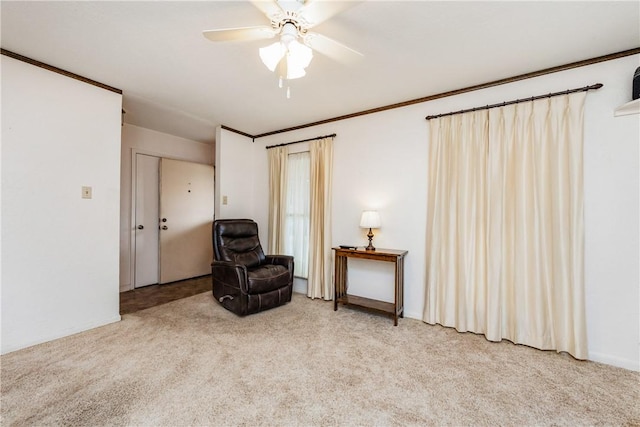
x=86, y=192
x=225, y=200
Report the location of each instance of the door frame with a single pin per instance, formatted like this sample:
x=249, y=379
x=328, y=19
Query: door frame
x=143, y=249
x=132, y=214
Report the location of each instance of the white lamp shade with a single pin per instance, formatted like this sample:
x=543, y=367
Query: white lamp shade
x=297, y=58
x=370, y=219
x=272, y=54
x=299, y=54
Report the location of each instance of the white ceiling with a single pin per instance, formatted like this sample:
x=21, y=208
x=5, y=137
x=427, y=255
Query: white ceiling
x=176, y=81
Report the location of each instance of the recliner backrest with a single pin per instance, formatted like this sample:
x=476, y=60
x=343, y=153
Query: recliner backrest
x=236, y=240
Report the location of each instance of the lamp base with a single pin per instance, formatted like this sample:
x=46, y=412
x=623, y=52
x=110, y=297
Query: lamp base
x=370, y=236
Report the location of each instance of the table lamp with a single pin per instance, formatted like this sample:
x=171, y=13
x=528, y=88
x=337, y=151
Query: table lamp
x=370, y=219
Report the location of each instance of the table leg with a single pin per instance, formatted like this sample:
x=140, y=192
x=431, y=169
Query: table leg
x=400, y=265
x=336, y=284
x=340, y=277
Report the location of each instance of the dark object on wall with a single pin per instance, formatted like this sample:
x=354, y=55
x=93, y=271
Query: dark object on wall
x=245, y=280
x=636, y=84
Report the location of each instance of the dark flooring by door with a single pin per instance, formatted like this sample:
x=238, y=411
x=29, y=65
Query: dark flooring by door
x=150, y=296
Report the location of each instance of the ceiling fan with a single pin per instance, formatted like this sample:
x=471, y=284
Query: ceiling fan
x=291, y=20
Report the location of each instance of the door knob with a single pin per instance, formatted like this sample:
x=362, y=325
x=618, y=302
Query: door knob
x=140, y=227
x=164, y=227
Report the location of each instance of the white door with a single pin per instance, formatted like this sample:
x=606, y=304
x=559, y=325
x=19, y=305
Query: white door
x=186, y=215
x=146, y=221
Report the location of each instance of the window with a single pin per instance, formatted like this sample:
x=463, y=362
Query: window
x=296, y=223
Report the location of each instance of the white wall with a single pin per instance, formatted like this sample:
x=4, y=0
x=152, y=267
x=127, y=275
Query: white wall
x=141, y=140
x=239, y=163
x=60, y=252
x=380, y=161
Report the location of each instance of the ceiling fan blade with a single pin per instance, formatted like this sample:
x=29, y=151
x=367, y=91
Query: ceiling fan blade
x=331, y=48
x=243, y=33
x=316, y=12
x=270, y=8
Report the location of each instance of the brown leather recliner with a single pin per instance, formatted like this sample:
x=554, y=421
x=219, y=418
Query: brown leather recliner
x=245, y=280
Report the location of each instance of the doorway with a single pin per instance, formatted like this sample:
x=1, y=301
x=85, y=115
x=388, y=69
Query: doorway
x=173, y=213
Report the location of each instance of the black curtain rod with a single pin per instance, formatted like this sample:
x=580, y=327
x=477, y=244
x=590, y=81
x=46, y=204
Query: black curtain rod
x=333, y=135
x=533, y=98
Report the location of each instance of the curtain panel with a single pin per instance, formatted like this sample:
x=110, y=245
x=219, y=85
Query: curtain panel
x=277, y=197
x=320, y=284
x=505, y=229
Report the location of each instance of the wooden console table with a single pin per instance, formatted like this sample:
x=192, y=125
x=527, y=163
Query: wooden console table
x=395, y=308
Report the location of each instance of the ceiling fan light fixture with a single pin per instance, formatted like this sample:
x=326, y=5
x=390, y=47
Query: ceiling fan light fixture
x=296, y=55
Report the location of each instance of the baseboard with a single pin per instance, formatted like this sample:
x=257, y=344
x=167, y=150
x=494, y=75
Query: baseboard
x=412, y=315
x=300, y=285
x=62, y=334
x=607, y=359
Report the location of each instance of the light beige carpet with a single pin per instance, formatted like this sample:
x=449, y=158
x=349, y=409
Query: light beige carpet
x=190, y=362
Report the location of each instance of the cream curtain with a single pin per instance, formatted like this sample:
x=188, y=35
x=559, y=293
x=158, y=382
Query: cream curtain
x=320, y=283
x=505, y=242
x=277, y=197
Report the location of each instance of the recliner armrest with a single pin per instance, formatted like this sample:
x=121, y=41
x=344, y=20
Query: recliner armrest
x=285, y=260
x=232, y=274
